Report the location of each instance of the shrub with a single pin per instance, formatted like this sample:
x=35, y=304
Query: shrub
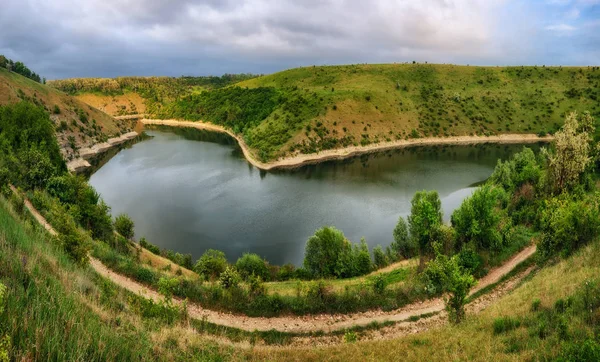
x=230, y=278
x=252, y=264
x=478, y=218
x=124, y=226
x=444, y=274
x=403, y=245
x=76, y=244
x=379, y=284
x=323, y=251
x=425, y=220
x=379, y=258
x=505, y=324
x=56, y=110
x=211, y=264
x=350, y=337
x=536, y=304
x=566, y=224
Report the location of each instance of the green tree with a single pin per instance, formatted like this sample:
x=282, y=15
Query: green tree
x=478, y=218
x=323, y=250
x=211, y=264
x=572, y=152
x=379, y=258
x=124, y=226
x=447, y=276
x=424, y=221
x=403, y=245
x=251, y=264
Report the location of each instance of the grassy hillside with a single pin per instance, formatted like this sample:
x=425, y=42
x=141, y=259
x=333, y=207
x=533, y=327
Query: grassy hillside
x=138, y=95
x=77, y=124
x=372, y=103
x=305, y=110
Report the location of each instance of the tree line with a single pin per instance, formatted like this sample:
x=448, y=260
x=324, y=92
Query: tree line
x=20, y=68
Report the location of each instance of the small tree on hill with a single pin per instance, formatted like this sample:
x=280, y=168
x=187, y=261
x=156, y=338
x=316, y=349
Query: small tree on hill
x=425, y=221
x=211, y=264
x=572, y=152
x=403, y=245
x=446, y=275
x=323, y=250
x=124, y=226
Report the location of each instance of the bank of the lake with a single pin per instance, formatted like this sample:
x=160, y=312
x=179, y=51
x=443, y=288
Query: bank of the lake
x=190, y=195
x=347, y=152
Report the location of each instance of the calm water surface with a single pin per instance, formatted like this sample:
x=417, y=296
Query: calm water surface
x=190, y=195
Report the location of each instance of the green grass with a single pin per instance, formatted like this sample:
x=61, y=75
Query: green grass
x=54, y=310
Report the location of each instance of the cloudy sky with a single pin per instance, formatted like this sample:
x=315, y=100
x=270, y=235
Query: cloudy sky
x=107, y=38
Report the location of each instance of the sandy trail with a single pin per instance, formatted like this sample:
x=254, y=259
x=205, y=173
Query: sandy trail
x=308, y=323
x=338, y=154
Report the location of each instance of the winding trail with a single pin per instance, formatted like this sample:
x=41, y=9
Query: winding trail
x=338, y=154
x=298, y=324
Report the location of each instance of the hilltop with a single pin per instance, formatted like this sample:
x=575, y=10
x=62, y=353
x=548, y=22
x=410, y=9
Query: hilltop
x=311, y=109
x=78, y=125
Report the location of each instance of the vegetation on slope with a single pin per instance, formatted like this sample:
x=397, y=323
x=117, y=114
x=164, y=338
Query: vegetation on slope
x=76, y=123
x=20, y=68
x=138, y=95
x=306, y=110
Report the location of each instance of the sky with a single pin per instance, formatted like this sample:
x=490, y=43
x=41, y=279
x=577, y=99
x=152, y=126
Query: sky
x=108, y=38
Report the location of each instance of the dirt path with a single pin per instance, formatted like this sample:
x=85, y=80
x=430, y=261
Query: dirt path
x=309, y=323
x=338, y=154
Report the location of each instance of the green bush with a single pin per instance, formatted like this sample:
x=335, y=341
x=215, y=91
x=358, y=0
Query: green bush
x=478, y=218
x=211, y=264
x=425, y=221
x=568, y=224
x=76, y=245
x=379, y=284
x=124, y=226
x=403, y=245
x=505, y=324
x=379, y=258
x=230, y=278
x=252, y=264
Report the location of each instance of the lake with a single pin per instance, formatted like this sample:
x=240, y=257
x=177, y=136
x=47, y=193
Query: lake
x=190, y=190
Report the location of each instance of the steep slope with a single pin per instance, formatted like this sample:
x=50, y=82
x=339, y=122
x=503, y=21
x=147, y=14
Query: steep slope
x=78, y=124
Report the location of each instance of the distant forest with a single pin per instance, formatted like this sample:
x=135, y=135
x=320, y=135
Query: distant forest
x=20, y=68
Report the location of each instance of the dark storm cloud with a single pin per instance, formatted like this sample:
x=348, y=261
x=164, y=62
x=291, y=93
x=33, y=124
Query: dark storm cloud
x=68, y=38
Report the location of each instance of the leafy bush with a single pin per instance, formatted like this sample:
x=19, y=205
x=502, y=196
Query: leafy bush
x=403, y=245
x=505, y=324
x=568, y=224
x=252, y=264
x=425, y=220
x=523, y=167
x=379, y=258
x=211, y=264
x=444, y=274
x=76, y=245
x=230, y=278
x=124, y=226
x=379, y=284
x=478, y=218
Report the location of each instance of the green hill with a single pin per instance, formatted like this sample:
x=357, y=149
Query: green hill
x=305, y=110
x=77, y=124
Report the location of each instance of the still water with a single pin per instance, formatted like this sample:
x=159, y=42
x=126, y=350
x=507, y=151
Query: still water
x=190, y=191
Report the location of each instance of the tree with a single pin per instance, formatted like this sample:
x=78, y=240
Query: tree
x=424, y=221
x=478, y=218
x=251, y=264
x=379, y=258
x=571, y=154
x=403, y=245
x=323, y=250
x=124, y=226
x=211, y=264
x=362, y=258
x=447, y=276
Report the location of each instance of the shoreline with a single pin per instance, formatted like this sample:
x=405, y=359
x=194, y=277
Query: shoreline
x=343, y=153
x=82, y=163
